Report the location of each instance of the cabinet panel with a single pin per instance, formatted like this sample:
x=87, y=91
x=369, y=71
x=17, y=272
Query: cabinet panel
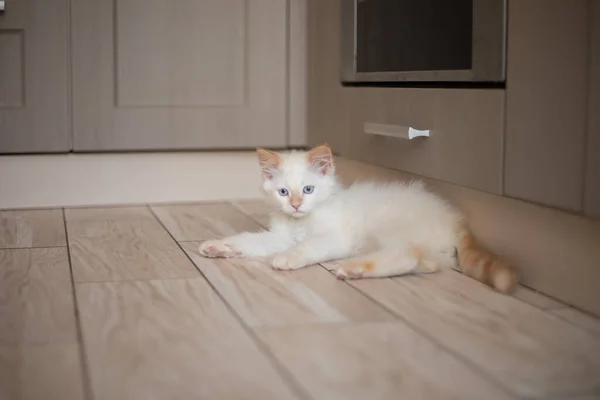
x=546, y=101
x=197, y=62
x=154, y=74
x=592, y=178
x=34, y=104
x=11, y=68
x=466, y=126
x=465, y=142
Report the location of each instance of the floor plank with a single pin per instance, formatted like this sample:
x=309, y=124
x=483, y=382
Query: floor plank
x=36, y=299
x=531, y=352
x=257, y=210
x=537, y=299
x=40, y=372
x=155, y=329
x=263, y=296
x=373, y=361
x=576, y=317
x=32, y=228
x=171, y=339
x=204, y=221
x=120, y=244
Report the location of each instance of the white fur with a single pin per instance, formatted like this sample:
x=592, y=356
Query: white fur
x=366, y=222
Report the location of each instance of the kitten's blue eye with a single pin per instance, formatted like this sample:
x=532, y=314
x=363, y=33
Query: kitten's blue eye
x=308, y=189
x=283, y=192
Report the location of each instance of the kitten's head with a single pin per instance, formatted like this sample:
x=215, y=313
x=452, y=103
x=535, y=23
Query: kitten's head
x=297, y=182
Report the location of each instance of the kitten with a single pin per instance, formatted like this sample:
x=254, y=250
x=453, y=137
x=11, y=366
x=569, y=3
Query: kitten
x=371, y=229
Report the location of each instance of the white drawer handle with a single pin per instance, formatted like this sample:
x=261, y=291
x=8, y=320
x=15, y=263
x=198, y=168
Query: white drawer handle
x=395, y=131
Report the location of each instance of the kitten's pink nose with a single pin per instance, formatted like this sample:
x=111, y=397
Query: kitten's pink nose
x=296, y=205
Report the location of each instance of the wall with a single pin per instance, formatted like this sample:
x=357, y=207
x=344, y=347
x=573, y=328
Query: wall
x=60, y=180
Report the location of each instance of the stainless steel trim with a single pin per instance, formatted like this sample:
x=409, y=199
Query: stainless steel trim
x=415, y=76
x=489, y=49
x=489, y=40
x=394, y=131
x=348, y=40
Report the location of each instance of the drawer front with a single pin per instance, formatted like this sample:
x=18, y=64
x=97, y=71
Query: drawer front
x=465, y=131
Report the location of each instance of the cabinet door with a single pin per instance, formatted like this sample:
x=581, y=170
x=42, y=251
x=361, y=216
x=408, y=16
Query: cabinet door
x=193, y=74
x=592, y=181
x=34, y=104
x=546, y=98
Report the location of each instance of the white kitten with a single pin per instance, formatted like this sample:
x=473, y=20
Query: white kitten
x=377, y=229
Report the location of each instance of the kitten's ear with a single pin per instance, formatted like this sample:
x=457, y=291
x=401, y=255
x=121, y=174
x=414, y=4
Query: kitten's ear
x=269, y=161
x=321, y=159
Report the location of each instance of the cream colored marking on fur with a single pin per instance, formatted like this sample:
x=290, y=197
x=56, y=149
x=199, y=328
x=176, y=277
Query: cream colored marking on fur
x=417, y=251
x=320, y=158
x=269, y=161
x=295, y=199
x=369, y=266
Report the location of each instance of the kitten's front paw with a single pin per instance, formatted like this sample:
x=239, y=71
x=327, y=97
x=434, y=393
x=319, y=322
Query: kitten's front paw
x=287, y=262
x=218, y=249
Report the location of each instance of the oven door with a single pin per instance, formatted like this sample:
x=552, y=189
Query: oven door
x=423, y=41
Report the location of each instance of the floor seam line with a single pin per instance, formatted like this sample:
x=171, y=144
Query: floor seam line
x=142, y=280
x=34, y=247
x=240, y=209
x=83, y=358
x=279, y=368
x=465, y=361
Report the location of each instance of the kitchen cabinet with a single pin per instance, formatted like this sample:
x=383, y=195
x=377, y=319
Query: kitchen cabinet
x=546, y=101
x=34, y=102
x=592, y=168
x=144, y=75
x=537, y=140
x=466, y=125
x=153, y=74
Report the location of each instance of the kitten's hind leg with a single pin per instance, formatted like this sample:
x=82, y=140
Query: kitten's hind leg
x=386, y=262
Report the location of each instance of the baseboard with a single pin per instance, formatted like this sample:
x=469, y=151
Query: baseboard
x=556, y=253
x=39, y=181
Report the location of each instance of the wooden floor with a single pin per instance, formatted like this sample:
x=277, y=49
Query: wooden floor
x=116, y=303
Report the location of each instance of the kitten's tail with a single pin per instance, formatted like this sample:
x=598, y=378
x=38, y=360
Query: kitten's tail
x=484, y=266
